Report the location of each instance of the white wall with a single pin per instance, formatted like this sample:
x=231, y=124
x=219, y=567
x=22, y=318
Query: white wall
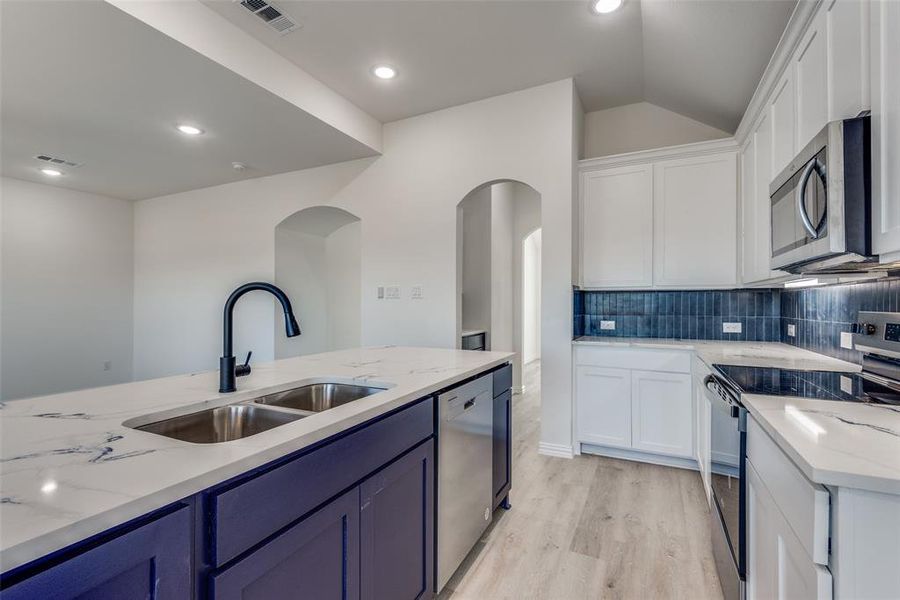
x=193, y=248
x=502, y=221
x=301, y=272
x=531, y=317
x=67, y=289
x=527, y=219
x=641, y=126
x=343, y=262
x=476, y=260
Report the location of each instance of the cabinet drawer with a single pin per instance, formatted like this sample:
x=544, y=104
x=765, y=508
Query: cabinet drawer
x=502, y=380
x=645, y=359
x=247, y=513
x=805, y=505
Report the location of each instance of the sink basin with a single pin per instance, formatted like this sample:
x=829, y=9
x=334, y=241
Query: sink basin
x=318, y=396
x=221, y=424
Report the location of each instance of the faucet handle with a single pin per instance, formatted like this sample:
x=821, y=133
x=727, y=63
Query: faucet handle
x=244, y=369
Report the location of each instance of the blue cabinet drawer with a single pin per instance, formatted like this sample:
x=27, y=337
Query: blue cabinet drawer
x=502, y=379
x=248, y=512
x=151, y=561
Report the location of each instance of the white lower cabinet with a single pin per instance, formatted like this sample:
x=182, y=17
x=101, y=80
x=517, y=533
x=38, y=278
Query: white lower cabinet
x=702, y=430
x=604, y=406
x=624, y=407
x=778, y=567
x=661, y=405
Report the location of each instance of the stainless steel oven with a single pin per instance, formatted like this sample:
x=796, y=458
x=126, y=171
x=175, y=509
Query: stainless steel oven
x=728, y=445
x=820, y=203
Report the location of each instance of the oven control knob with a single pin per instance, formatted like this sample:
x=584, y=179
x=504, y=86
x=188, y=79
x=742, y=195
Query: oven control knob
x=866, y=328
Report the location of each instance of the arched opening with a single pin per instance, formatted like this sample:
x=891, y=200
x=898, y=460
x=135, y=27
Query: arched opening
x=498, y=229
x=318, y=263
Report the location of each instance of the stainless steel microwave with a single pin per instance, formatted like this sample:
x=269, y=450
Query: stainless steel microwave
x=821, y=203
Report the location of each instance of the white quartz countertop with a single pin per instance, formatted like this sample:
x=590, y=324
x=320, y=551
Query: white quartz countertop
x=69, y=469
x=748, y=354
x=849, y=444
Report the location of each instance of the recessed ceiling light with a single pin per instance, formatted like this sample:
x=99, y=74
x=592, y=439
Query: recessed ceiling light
x=189, y=130
x=384, y=72
x=51, y=172
x=602, y=7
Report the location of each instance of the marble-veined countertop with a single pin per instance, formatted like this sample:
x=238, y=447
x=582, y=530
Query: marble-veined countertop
x=849, y=444
x=69, y=469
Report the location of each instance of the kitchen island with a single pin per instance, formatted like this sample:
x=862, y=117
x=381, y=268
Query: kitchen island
x=74, y=477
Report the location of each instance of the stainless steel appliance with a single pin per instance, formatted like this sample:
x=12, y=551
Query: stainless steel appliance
x=878, y=337
x=465, y=472
x=821, y=203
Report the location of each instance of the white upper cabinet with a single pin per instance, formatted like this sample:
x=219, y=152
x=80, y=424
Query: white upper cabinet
x=784, y=123
x=617, y=227
x=847, y=35
x=811, y=71
x=695, y=221
x=751, y=253
x=885, y=75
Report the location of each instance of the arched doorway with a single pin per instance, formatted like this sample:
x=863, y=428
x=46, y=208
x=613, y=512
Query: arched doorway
x=493, y=222
x=318, y=263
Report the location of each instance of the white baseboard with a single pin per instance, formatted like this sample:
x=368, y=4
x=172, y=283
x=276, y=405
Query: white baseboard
x=518, y=391
x=558, y=450
x=639, y=456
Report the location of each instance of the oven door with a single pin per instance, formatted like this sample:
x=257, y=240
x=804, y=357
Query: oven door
x=728, y=445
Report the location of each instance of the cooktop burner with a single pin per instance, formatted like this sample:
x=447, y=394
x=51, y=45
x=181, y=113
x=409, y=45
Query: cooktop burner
x=822, y=385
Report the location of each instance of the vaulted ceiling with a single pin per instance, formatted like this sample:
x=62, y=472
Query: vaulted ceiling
x=701, y=58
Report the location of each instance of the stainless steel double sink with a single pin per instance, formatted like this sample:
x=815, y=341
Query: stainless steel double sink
x=249, y=417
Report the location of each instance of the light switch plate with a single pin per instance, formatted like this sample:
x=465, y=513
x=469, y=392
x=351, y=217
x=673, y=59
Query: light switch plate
x=379, y=293
x=732, y=327
x=607, y=325
x=392, y=292
x=417, y=292
x=846, y=385
x=791, y=330
x=847, y=340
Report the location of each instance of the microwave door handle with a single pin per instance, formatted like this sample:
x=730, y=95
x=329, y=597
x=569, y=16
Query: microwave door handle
x=801, y=205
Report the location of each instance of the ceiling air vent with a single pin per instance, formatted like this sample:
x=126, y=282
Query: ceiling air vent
x=272, y=15
x=55, y=160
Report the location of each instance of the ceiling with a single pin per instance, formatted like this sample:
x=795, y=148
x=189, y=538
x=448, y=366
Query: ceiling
x=86, y=82
x=701, y=58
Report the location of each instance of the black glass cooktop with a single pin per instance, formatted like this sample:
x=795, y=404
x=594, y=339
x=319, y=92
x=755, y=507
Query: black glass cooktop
x=822, y=385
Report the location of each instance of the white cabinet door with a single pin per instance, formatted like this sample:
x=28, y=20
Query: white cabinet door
x=604, y=406
x=750, y=253
x=695, y=221
x=617, y=227
x=784, y=122
x=662, y=416
x=885, y=35
x=847, y=34
x=702, y=429
x=811, y=64
x=777, y=565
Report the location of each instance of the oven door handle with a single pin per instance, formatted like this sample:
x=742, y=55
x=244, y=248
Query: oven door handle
x=813, y=166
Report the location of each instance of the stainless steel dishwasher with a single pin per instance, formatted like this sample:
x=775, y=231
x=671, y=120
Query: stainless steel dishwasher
x=464, y=472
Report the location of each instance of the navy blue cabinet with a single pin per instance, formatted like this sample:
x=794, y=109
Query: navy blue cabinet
x=316, y=558
x=151, y=561
x=397, y=528
x=502, y=460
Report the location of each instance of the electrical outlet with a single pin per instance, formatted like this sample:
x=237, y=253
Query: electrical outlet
x=607, y=325
x=392, y=292
x=791, y=330
x=732, y=327
x=417, y=292
x=846, y=385
x=847, y=340
x=107, y=365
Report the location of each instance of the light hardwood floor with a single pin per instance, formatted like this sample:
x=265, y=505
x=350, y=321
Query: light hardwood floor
x=589, y=527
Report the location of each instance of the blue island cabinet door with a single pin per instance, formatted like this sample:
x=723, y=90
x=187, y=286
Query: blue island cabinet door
x=502, y=461
x=316, y=559
x=397, y=528
x=150, y=562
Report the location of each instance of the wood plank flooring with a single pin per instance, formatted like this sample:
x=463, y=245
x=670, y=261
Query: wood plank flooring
x=590, y=527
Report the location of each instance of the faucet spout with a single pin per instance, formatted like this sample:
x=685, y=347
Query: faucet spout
x=227, y=362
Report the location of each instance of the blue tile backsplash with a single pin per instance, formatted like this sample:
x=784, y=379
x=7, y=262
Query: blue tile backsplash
x=680, y=314
x=819, y=314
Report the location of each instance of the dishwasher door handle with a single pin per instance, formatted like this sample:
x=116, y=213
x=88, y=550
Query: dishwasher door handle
x=469, y=404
